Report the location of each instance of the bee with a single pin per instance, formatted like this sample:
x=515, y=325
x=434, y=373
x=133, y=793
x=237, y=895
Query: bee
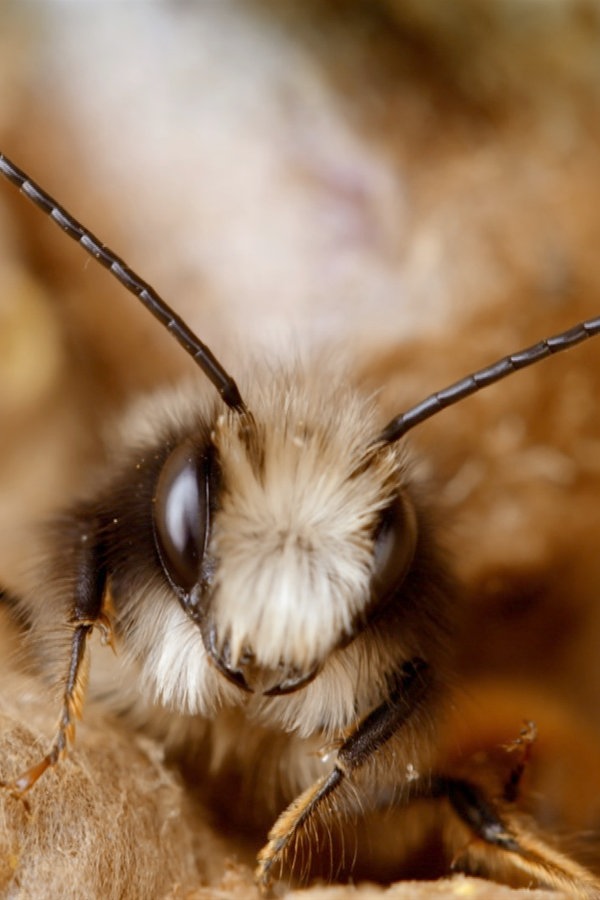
x=269, y=574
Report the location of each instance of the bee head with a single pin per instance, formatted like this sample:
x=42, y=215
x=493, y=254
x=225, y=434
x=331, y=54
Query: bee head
x=286, y=533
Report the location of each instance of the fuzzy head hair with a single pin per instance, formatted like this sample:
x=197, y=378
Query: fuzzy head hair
x=294, y=535
x=305, y=529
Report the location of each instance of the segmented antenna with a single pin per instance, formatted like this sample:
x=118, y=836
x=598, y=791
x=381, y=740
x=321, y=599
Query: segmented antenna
x=435, y=403
x=192, y=345
x=213, y=369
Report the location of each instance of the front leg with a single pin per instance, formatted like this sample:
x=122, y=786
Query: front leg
x=86, y=612
x=411, y=686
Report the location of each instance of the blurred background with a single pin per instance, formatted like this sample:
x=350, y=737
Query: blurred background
x=414, y=182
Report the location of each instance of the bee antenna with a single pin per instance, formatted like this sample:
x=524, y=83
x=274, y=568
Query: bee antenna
x=470, y=384
x=174, y=324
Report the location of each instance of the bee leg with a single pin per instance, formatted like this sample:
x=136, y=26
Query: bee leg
x=411, y=684
x=505, y=843
x=87, y=613
x=477, y=812
x=71, y=709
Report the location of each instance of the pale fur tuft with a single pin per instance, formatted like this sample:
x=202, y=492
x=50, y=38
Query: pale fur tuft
x=294, y=534
x=166, y=649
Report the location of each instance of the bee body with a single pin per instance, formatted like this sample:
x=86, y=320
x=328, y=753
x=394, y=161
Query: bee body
x=298, y=501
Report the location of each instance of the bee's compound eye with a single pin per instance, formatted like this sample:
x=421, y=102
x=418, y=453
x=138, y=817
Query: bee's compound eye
x=182, y=514
x=395, y=544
